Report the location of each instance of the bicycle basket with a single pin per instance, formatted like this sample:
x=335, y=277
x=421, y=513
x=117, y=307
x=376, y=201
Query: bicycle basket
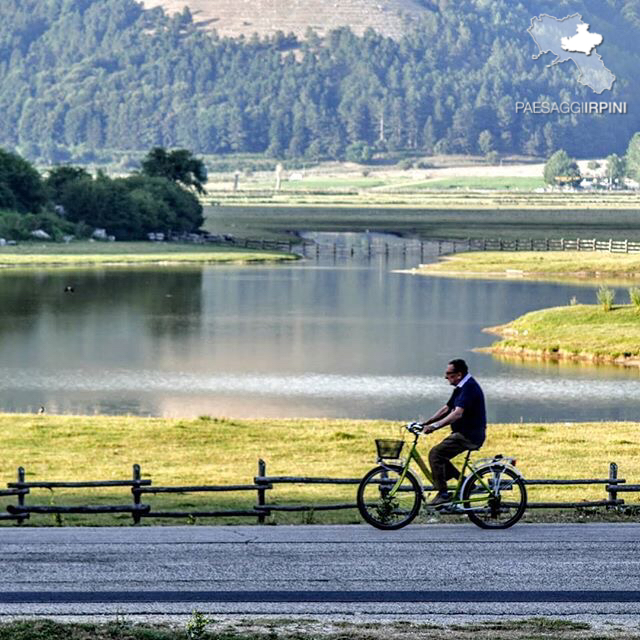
x=389, y=448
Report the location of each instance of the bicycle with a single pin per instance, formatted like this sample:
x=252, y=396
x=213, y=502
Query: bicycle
x=490, y=492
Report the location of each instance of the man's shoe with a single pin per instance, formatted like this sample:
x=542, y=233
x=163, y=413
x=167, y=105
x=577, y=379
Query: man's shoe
x=441, y=498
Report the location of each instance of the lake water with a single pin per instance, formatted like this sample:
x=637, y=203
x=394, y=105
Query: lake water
x=334, y=337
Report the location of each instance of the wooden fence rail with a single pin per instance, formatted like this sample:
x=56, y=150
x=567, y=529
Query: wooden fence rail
x=262, y=484
x=444, y=245
x=554, y=244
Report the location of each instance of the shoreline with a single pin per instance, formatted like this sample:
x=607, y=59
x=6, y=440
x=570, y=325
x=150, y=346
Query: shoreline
x=523, y=353
x=536, y=265
x=137, y=254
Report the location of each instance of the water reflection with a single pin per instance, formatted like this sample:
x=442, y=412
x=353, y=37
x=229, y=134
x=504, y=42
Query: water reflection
x=335, y=337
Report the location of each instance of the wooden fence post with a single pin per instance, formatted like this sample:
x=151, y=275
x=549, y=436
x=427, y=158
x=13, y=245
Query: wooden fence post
x=21, y=478
x=262, y=472
x=613, y=476
x=136, y=496
x=561, y=244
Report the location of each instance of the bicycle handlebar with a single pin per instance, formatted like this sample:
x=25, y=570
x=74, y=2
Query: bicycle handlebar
x=415, y=427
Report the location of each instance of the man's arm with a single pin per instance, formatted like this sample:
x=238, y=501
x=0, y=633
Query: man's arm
x=434, y=425
x=440, y=413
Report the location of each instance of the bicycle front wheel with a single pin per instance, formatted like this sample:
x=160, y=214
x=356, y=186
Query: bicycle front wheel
x=496, y=497
x=380, y=509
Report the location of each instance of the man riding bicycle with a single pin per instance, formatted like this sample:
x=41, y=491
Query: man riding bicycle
x=465, y=412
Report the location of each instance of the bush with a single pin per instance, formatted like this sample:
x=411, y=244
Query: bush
x=606, y=297
x=129, y=208
x=18, y=226
x=358, y=152
x=634, y=297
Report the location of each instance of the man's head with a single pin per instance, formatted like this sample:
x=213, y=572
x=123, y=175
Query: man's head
x=456, y=370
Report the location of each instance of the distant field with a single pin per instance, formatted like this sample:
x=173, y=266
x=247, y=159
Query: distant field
x=501, y=183
x=403, y=195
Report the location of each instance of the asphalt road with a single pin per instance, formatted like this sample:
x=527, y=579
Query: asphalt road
x=587, y=571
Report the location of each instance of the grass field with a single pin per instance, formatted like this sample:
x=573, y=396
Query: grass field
x=537, y=264
x=502, y=183
x=104, y=253
x=424, y=198
x=219, y=451
x=578, y=331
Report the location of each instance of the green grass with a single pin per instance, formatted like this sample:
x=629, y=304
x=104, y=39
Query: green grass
x=294, y=629
x=537, y=264
x=480, y=183
x=578, y=331
x=104, y=253
x=220, y=451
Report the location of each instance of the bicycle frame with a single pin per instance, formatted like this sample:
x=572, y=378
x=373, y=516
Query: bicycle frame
x=414, y=454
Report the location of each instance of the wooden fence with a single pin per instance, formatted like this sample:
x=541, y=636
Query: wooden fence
x=262, y=484
x=559, y=244
x=430, y=246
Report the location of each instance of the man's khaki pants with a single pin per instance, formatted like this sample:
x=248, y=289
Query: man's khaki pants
x=440, y=459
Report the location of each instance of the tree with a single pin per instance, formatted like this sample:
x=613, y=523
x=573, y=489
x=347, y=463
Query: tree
x=561, y=170
x=485, y=142
x=60, y=177
x=178, y=165
x=21, y=186
x=615, y=169
x=358, y=152
x=632, y=158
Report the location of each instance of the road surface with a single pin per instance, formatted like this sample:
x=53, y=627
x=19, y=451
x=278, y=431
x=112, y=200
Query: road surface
x=586, y=571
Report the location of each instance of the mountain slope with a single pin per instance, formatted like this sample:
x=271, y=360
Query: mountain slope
x=265, y=17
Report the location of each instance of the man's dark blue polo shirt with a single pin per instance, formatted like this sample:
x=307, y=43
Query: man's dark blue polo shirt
x=473, y=423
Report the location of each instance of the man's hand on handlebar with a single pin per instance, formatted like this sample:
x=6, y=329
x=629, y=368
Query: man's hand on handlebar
x=421, y=427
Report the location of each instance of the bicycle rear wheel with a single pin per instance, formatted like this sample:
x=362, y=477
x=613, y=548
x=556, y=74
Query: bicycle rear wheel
x=378, y=508
x=497, y=497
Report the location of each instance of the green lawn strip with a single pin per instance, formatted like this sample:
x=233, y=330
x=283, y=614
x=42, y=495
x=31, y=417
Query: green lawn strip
x=204, y=627
x=220, y=451
x=481, y=183
x=99, y=253
x=576, y=331
x=537, y=263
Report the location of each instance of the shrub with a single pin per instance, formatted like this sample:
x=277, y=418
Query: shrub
x=606, y=297
x=17, y=226
x=634, y=297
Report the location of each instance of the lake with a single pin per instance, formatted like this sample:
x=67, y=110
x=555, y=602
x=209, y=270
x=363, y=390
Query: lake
x=328, y=337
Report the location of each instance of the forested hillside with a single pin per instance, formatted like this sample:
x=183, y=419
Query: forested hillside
x=77, y=76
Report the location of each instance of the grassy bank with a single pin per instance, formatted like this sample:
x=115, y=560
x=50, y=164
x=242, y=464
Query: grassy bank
x=106, y=253
x=537, y=264
x=218, y=451
x=297, y=628
x=578, y=331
